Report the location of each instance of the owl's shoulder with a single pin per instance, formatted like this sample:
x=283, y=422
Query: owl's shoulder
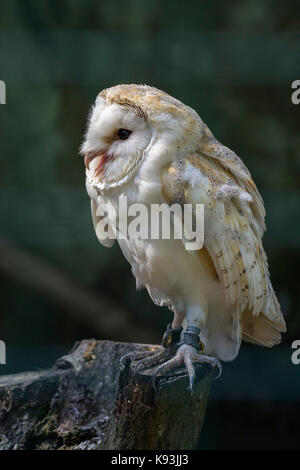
x=194, y=176
x=201, y=178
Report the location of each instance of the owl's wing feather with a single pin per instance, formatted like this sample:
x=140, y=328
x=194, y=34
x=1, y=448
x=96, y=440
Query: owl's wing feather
x=233, y=227
x=232, y=164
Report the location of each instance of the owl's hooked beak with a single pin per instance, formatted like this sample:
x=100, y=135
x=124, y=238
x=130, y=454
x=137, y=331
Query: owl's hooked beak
x=103, y=157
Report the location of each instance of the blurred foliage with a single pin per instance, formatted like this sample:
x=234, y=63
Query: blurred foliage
x=233, y=63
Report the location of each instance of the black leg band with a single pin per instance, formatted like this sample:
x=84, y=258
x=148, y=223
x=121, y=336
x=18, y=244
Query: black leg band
x=191, y=337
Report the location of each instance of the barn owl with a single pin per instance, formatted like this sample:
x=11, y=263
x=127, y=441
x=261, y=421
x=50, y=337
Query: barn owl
x=145, y=144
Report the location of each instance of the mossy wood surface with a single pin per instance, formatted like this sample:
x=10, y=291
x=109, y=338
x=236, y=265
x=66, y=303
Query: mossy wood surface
x=85, y=402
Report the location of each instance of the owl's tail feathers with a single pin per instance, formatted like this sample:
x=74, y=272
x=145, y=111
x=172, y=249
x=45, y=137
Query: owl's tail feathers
x=261, y=330
x=226, y=327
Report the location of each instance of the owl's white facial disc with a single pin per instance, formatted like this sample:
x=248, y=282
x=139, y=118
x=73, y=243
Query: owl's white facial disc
x=115, y=143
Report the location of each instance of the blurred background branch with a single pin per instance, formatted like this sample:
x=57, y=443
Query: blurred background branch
x=106, y=317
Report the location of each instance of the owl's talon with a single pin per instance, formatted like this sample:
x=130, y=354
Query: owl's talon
x=148, y=362
x=124, y=359
x=135, y=356
x=187, y=355
x=192, y=378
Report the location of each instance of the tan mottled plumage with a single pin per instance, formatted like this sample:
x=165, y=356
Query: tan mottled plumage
x=171, y=156
x=234, y=225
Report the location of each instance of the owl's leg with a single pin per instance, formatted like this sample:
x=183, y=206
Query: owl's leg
x=190, y=349
x=170, y=340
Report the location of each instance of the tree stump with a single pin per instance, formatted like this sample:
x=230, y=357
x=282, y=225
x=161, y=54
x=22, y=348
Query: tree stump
x=86, y=402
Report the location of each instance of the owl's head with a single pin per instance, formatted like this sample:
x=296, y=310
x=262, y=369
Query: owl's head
x=131, y=124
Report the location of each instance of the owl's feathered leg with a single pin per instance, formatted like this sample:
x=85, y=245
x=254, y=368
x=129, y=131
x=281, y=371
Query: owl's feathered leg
x=190, y=350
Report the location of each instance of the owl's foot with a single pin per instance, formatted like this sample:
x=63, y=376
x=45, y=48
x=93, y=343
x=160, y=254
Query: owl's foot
x=134, y=356
x=170, y=340
x=148, y=359
x=152, y=360
x=190, y=350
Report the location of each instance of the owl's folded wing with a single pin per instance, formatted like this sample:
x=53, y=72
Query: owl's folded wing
x=233, y=227
x=103, y=228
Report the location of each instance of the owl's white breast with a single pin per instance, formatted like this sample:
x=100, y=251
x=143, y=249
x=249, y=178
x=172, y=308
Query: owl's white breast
x=172, y=275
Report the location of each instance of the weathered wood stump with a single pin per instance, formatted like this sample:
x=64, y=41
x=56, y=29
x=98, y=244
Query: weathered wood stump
x=83, y=402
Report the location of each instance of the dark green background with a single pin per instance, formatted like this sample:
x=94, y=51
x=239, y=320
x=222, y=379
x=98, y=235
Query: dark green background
x=234, y=63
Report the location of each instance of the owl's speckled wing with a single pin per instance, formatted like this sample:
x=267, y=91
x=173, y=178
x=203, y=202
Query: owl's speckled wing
x=233, y=227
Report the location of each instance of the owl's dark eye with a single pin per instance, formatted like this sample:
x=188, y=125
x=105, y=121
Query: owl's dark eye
x=124, y=134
